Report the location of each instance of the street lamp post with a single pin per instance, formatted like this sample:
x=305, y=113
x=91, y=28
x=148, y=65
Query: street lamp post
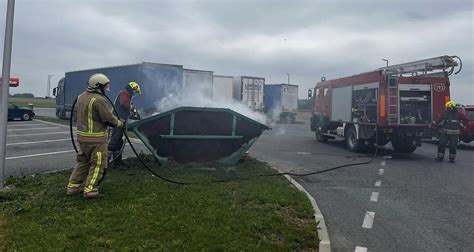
x=5, y=85
x=288, y=78
x=386, y=60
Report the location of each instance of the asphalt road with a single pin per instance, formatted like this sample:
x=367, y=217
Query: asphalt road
x=48, y=112
x=399, y=202
x=37, y=147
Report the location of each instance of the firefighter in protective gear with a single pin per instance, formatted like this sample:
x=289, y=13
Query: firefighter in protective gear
x=93, y=118
x=124, y=105
x=450, y=125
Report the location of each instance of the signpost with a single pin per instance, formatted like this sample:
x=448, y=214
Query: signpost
x=5, y=85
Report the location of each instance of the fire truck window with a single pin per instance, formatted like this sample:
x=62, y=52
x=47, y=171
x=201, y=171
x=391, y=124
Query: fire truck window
x=325, y=91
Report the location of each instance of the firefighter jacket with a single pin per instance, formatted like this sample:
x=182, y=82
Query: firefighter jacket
x=123, y=104
x=451, y=122
x=93, y=118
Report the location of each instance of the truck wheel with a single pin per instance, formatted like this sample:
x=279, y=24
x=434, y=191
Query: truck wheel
x=353, y=144
x=319, y=136
x=403, y=145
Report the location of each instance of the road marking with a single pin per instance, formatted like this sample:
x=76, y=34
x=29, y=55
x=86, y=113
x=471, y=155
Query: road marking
x=40, y=154
x=33, y=129
x=44, y=141
x=381, y=171
x=26, y=124
x=383, y=163
x=360, y=249
x=302, y=153
x=40, y=134
x=368, y=220
x=378, y=183
x=374, y=197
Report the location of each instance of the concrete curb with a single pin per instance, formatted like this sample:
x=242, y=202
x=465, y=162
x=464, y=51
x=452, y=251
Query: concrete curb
x=324, y=243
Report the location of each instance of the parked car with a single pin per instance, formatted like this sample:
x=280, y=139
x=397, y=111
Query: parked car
x=15, y=112
x=467, y=134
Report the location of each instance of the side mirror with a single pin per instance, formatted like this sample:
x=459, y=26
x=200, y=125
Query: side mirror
x=54, y=91
x=310, y=93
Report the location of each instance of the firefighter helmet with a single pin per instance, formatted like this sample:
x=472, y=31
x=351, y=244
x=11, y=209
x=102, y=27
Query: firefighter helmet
x=450, y=104
x=135, y=87
x=98, y=81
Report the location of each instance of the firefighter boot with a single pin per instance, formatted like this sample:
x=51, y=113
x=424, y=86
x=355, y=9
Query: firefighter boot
x=452, y=157
x=91, y=195
x=73, y=191
x=440, y=157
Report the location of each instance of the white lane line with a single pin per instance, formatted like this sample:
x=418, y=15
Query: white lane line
x=40, y=154
x=378, y=183
x=374, y=197
x=368, y=220
x=381, y=171
x=44, y=141
x=33, y=129
x=383, y=163
x=360, y=249
x=302, y=153
x=26, y=124
x=40, y=134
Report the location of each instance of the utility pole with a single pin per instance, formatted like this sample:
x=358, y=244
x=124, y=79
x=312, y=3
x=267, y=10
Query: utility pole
x=49, y=86
x=288, y=78
x=386, y=60
x=7, y=56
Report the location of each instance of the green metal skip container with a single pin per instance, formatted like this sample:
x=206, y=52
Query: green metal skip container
x=198, y=135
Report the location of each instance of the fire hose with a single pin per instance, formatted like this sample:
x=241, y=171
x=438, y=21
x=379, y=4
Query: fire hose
x=373, y=157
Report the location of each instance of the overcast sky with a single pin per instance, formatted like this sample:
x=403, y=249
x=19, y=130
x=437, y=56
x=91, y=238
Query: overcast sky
x=307, y=39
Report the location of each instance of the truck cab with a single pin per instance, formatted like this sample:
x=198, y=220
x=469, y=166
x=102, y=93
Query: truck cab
x=467, y=133
x=60, y=99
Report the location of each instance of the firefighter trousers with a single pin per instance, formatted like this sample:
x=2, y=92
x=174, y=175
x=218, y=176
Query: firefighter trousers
x=116, y=143
x=90, y=166
x=448, y=139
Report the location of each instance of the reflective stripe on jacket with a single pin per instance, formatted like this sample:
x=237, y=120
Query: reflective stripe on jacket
x=93, y=117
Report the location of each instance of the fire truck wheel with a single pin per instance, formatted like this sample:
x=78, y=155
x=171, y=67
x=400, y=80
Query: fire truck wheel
x=321, y=138
x=353, y=144
x=403, y=146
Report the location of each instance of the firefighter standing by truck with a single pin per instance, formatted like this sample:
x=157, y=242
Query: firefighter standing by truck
x=93, y=118
x=124, y=106
x=449, y=129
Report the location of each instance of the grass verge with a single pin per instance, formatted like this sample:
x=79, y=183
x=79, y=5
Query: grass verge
x=141, y=212
x=37, y=102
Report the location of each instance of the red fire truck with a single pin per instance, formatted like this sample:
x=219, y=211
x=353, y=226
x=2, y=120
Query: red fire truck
x=391, y=104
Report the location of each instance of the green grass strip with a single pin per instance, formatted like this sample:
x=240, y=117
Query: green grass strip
x=141, y=212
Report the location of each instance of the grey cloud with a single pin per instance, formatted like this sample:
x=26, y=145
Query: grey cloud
x=308, y=39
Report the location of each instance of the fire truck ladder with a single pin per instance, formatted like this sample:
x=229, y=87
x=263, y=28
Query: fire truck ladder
x=392, y=100
x=444, y=64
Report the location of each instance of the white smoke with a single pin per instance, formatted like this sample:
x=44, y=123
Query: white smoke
x=198, y=99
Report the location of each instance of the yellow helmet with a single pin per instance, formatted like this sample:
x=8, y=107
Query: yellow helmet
x=135, y=87
x=450, y=104
x=98, y=81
